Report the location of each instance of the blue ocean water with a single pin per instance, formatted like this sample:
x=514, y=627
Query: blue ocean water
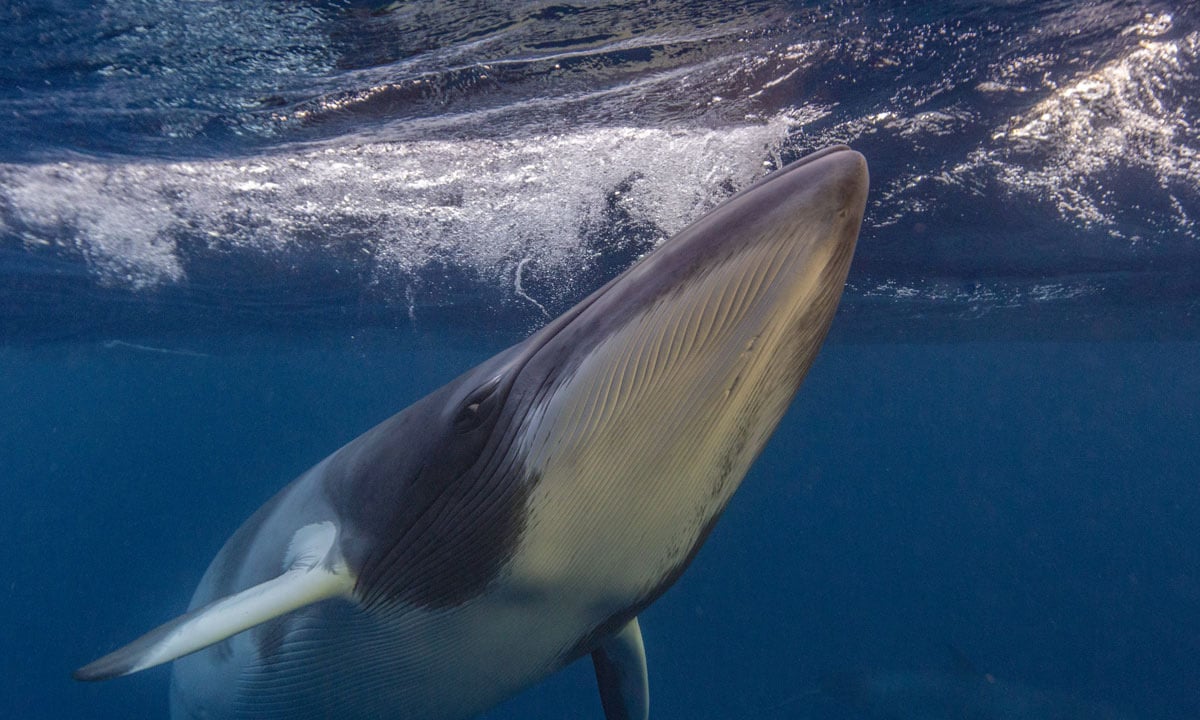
x=235, y=235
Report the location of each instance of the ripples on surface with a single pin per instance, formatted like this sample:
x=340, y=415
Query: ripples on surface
x=373, y=164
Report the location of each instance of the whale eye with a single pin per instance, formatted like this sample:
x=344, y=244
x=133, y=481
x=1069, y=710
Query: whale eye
x=476, y=407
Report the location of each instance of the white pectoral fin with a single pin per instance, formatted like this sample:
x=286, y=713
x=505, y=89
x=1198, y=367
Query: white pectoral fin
x=316, y=572
x=620, y=664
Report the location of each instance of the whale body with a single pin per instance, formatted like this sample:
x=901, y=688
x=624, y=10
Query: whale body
x=523, y=515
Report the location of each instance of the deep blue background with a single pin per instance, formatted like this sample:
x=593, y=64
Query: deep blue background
x=998, y=450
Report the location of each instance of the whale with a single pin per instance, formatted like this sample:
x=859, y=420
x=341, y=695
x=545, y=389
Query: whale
x=522, y=516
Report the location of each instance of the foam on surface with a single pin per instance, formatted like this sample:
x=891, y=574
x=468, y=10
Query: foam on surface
x=400, y=207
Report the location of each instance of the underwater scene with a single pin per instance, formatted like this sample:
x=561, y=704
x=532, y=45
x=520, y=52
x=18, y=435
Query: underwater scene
x=235, y=236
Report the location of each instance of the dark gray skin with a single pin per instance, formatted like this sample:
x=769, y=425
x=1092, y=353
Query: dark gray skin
x=518, y=518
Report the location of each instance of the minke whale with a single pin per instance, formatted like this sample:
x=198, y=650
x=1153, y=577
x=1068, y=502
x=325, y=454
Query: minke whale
x=523, y=515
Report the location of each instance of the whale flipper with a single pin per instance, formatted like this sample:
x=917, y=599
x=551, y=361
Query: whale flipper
x=315, y=572
x=620, y=664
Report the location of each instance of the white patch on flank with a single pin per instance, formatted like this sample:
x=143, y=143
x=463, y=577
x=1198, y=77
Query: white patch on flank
x=310, y=575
